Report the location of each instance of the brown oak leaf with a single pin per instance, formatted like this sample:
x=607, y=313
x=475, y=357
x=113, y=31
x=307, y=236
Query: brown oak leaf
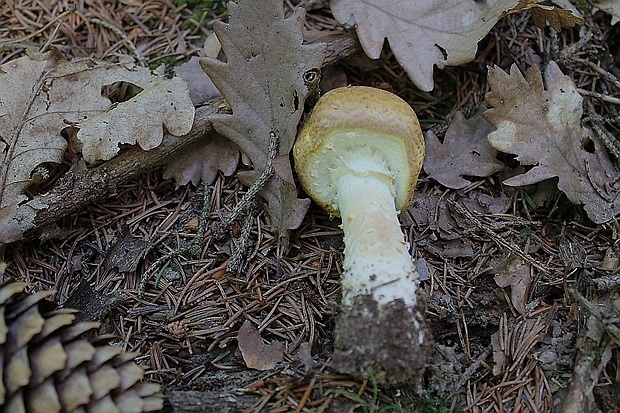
x=541, y=124
x=263, y=81
x=465, y=151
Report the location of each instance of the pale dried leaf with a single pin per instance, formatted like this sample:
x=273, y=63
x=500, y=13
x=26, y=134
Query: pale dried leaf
x=465, y=151
x=422, y=33
x=139, y=119
x=41, y=95
x=256, y=354
x=611, y=7
x=201, y=160
x=263, y=80
x=36, y=94
x=542, y=127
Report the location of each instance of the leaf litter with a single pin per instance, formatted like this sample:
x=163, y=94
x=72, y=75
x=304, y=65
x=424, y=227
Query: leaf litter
x=213, y=304
x=541, y=124
x=422, y=34
x=464, y=151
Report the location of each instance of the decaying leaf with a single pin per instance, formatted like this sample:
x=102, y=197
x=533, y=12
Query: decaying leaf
x=41, y=95
x=465, y=151
x=263, y=81
x=139, y=119
x=542, y=127
x=556, y=17
x=201, y=160
x=422, y=33
x=256, y=354
x=518, y=276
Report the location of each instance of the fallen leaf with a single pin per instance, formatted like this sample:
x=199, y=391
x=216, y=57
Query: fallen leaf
x=139, y=120
x=465, y=151
x=556, y=17
x=256, y=354
x=542, y=126
x=201, y=160
x=282, y=166
x=201, y=87
x=422, y=33
x=42, y=95
x=263, y=81
x=518, y=276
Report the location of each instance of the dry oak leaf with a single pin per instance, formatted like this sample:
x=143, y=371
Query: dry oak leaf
x=556, y=17
x=42, y=94
x=141, y=119
x=611, y=7
x=422, y=33
x=542, y=126
x=256, y=354
x=465, y=151
x=263, y=81
x=201, y=160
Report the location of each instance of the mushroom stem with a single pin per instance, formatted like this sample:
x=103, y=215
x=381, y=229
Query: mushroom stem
x=377, y=260
x=358, y=155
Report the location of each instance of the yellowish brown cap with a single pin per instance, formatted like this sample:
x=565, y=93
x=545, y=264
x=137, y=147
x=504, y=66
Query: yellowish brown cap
x=358, y=117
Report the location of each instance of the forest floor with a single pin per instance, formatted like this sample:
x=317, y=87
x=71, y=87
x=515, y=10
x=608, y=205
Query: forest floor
x=489, y=355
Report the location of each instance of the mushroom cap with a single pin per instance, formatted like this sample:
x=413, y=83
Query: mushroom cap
x=364, y=119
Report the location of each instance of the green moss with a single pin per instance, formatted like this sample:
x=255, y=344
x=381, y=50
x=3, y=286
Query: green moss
x=201, y=11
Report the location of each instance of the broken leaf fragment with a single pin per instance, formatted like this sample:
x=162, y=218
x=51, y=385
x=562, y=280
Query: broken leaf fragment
x=517, y=275
x=465, y=151
x=256, y=354
x=556, y=17
x=540, y=122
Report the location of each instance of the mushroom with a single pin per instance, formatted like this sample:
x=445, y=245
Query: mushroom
x=358, y=156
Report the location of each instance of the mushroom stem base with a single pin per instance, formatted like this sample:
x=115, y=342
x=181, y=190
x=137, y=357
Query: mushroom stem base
x=391, y=342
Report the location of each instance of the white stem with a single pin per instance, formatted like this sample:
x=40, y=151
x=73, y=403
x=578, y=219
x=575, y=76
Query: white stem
x=377, y=260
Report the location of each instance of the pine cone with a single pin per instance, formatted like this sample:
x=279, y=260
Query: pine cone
x=46, y=366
